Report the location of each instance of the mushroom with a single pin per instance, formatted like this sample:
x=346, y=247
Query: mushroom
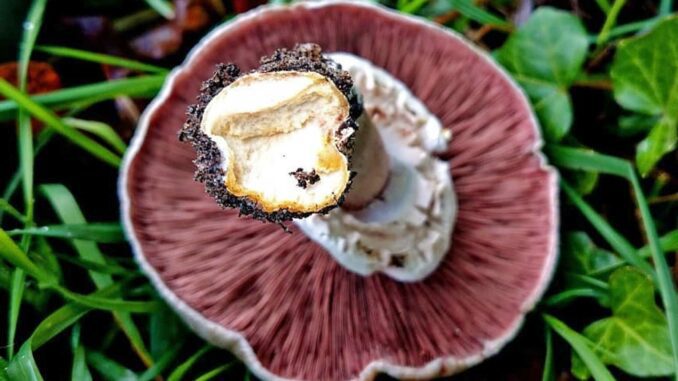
x=466, y=190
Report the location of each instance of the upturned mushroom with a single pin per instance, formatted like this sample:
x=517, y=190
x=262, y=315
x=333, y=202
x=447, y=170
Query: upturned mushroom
x=424, y=218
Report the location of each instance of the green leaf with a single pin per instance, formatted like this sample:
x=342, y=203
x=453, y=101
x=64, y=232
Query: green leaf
x=181, y=370
x=100, y=129
x=53, y=121
x=109, y=304
x=11, y=252
x=107, y=268
x=32, y=26
x=565, y=297
x=23, y=366
x=171, y=352
x=3, y=370
x=634, y=124
x=581, y=346
x=17, y=287
x=142, y=86
x=79, y=371
x=214, y=372
x=613, y=237
x=105, y=232
x=668, y=242
x=43, y=256
x=548, y=373
x=84, y=55
x=469, y=9
x=583, y=181
x=546, y=55
x=69, y=212
x=109, y=369
x=581, y=256
x=636, y=337
x=645, y=78
x=610, y=21
x=9, y=209
x=165, y=330
x=64, y=317
x=661, y=140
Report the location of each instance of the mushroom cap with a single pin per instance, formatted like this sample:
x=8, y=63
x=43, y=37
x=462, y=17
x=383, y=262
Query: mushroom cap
x=282, y=304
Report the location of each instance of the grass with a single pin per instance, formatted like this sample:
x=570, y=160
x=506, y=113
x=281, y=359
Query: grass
x=62, y=277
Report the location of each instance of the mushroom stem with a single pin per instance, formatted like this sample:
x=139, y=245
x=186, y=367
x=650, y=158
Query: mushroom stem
x=371, y=165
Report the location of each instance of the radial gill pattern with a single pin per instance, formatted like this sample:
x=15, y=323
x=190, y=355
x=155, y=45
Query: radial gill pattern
x=304, y=316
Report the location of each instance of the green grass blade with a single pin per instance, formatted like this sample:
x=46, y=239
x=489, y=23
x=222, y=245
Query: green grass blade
x=26, y=162
x=64, y=317
x=109, y=369
x=610, y=21
x=183, y=368
x=79, y=370
x=604, y=5
x=165, y=329
x=214, y=372
x=667, y=288
x=162, y=363
x=9, y=209
x=23, y=366
x=478, y=14
x=163, y=8
x=565, y=297
x=105, y=232
x=548, y=374
x=3, y=370
x=109, y=304
x=576, y=159
x=616, y=240
x=668, y=243
x=632, y=27
x=31, y=29
x=106, y=59
x=11, y=252
x=32, y=26
x=107, y=268
x=100, y=129
x=580, y=345
x=411, y=6
x=67, y=209
x=17, y=287
x=586, y=160
x=665, y=7
x=13, y=184
x=143, y=86
x=54, y=122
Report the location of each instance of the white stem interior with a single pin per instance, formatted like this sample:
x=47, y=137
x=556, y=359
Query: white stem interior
x=405, y=232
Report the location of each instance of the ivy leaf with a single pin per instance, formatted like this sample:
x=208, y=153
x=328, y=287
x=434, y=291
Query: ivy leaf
x=661, y=140
x=636, y=337
x=545, y=56
x=645, y=78
x=635, y=124
x=581, y=256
